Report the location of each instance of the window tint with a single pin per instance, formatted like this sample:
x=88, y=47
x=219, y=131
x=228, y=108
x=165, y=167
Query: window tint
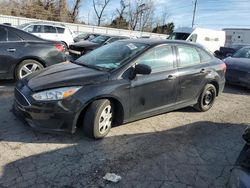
x=12, y=36
x=60, y=30
x=188, y=56
x=49, y=29
x=37, y=29
x=3, y=34
x=159, y=59
x=204, y=55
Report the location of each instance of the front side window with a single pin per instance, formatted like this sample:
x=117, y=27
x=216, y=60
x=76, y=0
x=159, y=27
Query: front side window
x=159, y=59
x=100, y=39
x=242, y=53
x=188, y=56
x=111, y=56
x=49, y=29
x=37, y=29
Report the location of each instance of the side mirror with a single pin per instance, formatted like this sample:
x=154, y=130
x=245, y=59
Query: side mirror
x=142, y=69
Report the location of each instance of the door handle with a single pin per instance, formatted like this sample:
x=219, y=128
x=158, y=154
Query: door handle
x=11, y=49
x=203, y=71
x=171, y=77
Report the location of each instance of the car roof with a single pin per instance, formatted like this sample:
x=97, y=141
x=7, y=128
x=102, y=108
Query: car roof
x=47, y=23
x=154, y=42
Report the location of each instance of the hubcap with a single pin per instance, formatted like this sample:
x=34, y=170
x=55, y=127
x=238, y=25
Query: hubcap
x=105, y=119
x=28, y=69
x=208, y=97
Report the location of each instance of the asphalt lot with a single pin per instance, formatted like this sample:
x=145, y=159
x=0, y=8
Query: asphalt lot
x=178, y=149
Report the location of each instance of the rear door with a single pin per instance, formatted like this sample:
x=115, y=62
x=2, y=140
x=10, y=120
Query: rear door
x=158, y=89
x=11, y=48
x=191, y=71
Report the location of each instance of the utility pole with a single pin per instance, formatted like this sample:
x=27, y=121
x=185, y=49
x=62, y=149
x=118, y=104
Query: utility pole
x=195, y=3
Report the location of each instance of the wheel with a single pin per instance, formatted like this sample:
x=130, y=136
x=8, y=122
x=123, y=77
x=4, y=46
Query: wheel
x=206, y=99
x=98, y=119
x=26, y=67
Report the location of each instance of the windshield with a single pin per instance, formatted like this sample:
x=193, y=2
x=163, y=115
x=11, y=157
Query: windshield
x=22, y=26
x=179, y=36
x=100, y=39
x=242, y=53
x=111, y=56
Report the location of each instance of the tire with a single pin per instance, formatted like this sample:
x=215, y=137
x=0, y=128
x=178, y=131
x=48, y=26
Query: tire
x=98, y=119
x=206, y=99
x=27, y=67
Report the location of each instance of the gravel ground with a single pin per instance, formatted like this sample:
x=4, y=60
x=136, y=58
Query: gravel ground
x=178, y=149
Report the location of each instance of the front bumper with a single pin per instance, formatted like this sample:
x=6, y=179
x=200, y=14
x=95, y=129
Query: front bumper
x=46, y=116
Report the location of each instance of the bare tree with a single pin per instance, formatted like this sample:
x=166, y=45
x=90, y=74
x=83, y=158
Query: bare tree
x=122, y=9
x=99, y=7
x=140, y=12
x=75, y=10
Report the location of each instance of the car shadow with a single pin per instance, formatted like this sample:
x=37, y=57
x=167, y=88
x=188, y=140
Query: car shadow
x=199, y=154
x=238, y=90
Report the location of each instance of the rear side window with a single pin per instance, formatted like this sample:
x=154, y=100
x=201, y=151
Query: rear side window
x=188, y=56
x=204, y=55
x=7, y=35
x=3, y=34
x=159, y=59
x=49, y=29
x=60, y=30
x=12, y=36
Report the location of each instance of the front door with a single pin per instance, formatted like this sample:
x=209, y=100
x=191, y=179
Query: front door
x=158, y=89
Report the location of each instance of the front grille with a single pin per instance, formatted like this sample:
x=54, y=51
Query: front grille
x=20, y=98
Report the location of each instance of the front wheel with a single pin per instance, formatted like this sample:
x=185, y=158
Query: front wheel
x=98, y=119
x=27, y=67
x=206, y=99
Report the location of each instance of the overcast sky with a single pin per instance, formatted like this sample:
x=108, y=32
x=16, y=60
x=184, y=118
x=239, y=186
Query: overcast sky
x=214, y=14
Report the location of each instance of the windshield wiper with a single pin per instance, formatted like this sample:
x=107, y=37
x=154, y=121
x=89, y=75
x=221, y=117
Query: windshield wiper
x=91, y=66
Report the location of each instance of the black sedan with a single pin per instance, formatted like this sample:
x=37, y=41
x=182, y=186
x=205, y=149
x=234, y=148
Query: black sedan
x=238, y=68
x=85, y=36
x=80, y=48
x=118, y=83
x=22, y=53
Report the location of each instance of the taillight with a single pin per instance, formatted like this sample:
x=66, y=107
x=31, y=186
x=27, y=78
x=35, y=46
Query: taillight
x=223, y=66
x=59, y=47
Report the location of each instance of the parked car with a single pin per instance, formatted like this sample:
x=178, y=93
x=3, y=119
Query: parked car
x=83, y=47
x=85, y=36
x=120, y=82
x=225, y=52
x=238, y=68
x=50, y=31
x=22, y=53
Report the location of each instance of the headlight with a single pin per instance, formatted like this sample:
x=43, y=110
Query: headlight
x=55, y=94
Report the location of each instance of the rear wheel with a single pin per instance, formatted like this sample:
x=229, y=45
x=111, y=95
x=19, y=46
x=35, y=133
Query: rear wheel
x=27, y=67
x=206, y=99
x=98, y=119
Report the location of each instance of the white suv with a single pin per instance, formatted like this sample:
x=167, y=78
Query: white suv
x=50, y=31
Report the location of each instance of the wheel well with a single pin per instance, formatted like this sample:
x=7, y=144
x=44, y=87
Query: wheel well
x=216, y=85
x=36, y=59
x=118, y=109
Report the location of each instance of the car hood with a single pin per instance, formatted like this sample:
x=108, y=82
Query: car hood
x=85, y=44
x=238, y=63
x=64, y=74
